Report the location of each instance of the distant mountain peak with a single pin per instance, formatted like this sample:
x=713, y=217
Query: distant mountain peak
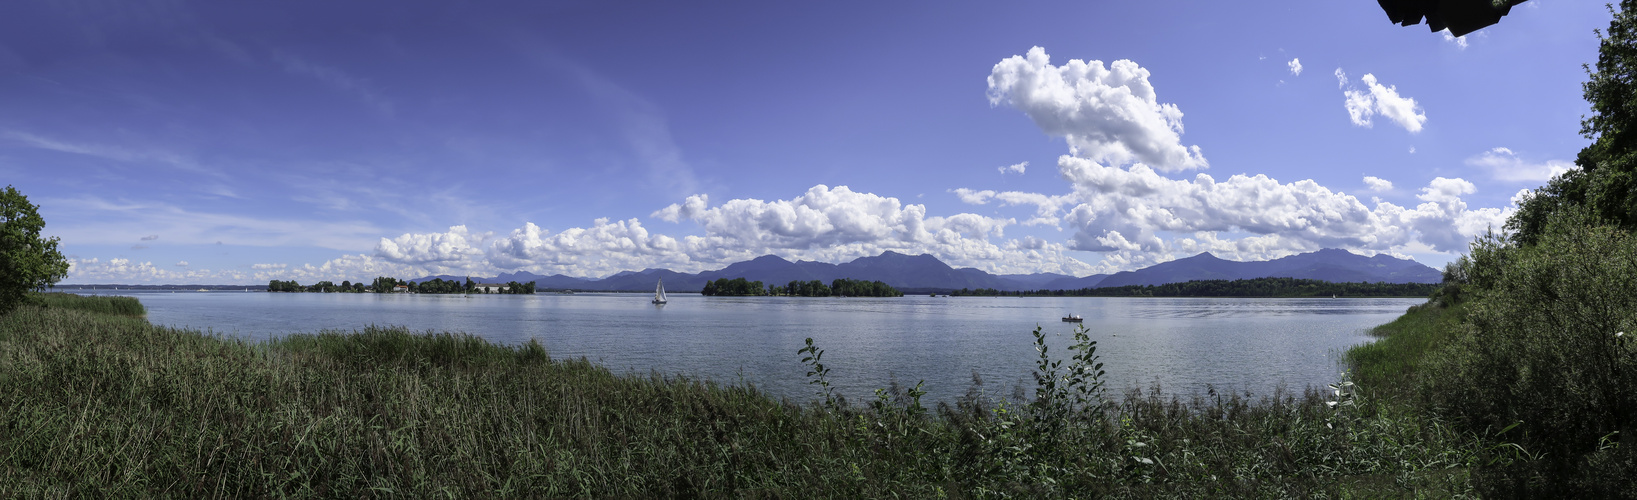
x=1328, y=264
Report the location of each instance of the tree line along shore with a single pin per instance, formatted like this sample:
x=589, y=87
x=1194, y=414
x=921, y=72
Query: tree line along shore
x=385, y=284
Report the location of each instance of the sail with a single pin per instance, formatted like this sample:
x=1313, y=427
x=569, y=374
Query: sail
x=659, y=292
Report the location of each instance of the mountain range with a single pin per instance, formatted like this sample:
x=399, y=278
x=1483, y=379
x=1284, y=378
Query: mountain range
x=924, y=273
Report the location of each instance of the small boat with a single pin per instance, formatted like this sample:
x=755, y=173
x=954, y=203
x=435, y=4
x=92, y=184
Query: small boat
x=659, y=293
x=1073, y=318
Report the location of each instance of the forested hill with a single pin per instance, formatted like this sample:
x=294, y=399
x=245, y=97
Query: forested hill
x=1257, y=287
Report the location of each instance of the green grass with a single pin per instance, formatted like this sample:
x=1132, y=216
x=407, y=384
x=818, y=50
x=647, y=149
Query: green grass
x=123, y=306
x=1388, y=367
x=95, y=404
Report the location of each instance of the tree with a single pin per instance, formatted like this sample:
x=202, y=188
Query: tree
x=1606, y=181
x=27, y=261
x=384, y=284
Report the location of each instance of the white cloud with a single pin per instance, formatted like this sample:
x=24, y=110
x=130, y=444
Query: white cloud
x=1107, y=114
x=125, y=271
x=1048, y=208
x=1130, y=213
x=1296, y=66
x=604, y=248
x=182, y=263
x=838, y=224
x=1380, y=99
x=1459, y=41
x=1341, y=79
x=1378, y=184
x=1505, y=165
x=1017, y=168
x=1521, y=196
x=450, y=249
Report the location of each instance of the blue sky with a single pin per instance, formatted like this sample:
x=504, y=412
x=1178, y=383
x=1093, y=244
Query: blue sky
x=226, y=142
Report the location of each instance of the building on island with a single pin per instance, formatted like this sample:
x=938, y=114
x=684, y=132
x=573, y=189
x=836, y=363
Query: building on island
x=490, y=288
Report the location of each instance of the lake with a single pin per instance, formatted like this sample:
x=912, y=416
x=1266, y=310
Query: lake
x=1183, y=344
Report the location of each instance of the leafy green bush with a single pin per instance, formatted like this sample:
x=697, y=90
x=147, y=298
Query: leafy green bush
x=1545, y=360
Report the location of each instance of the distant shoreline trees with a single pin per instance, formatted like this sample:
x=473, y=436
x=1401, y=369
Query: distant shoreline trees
x=737, y=287
x=384, y=284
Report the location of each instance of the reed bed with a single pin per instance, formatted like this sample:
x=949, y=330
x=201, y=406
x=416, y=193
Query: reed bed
x=116, y=305
x=98, y=404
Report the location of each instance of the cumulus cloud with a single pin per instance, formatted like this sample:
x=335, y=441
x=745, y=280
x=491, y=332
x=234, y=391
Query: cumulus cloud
x=452, y=247
x=1135, y=216
x=1109, y=114
x=1017, y=168
x=1047, y=207
x=1295, y=66
x=604, y=248
x=124, y=271
x=1380, y=99
x=1378, y=184
x=838, y=224
x=1505, y=165
x=182, y=263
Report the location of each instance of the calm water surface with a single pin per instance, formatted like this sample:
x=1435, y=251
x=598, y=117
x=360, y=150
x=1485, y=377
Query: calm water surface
x=1182, y=344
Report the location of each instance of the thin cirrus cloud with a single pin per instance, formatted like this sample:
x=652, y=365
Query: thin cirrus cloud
x=1379, y=99
x=1109, y=114
x=335, y=78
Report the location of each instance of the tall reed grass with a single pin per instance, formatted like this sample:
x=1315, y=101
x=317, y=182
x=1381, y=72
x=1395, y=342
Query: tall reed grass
x=124, y=306
x=94, y=404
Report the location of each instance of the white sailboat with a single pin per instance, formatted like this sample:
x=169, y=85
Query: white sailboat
x=659, y=293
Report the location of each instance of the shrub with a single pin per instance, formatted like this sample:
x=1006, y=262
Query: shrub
x=1546, y=348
